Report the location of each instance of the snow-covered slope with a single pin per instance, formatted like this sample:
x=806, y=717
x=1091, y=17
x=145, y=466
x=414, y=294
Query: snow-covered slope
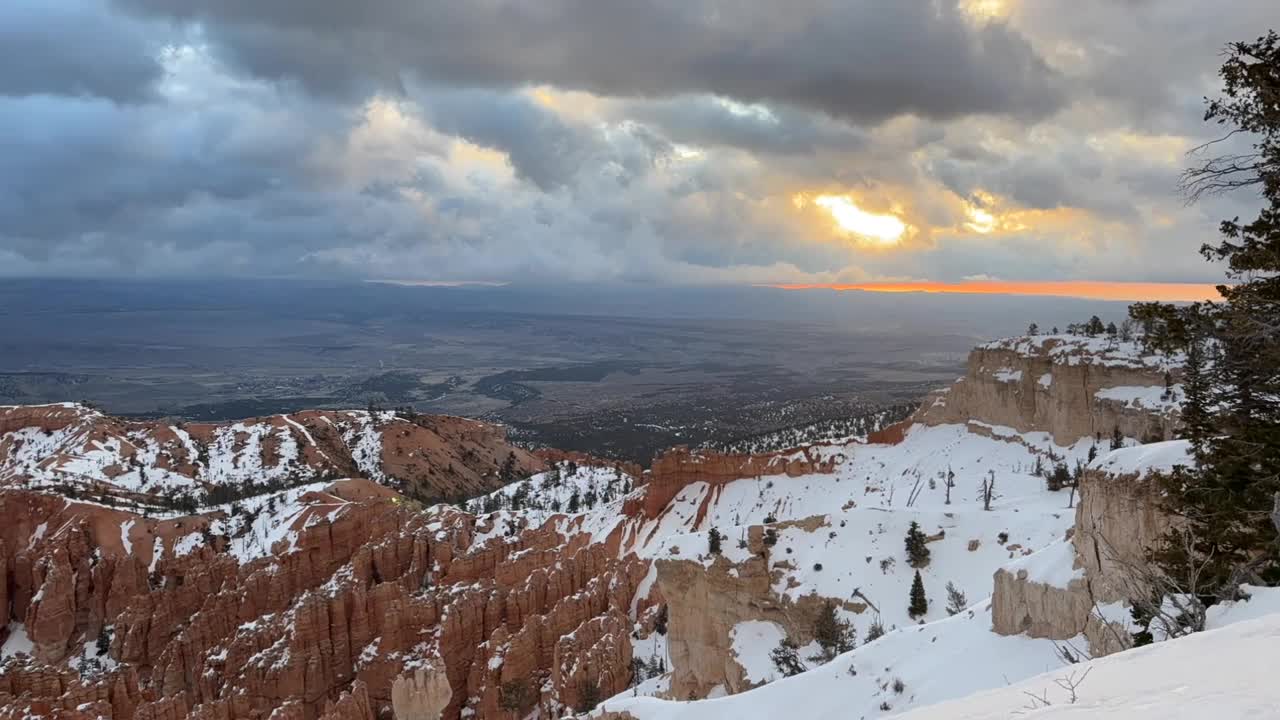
x=1224, y=674
x=185, y=467
x=940, y=664
x=841, y=536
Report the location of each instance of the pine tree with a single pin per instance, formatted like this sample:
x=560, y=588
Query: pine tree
x=103, y=642
x=956, y=601
x=1117, y=439
x=1094, y=327
x=917, y=546
x=713, y=541
x=919, y=605
x=1226, y=503
x=786, y=658
x=1196, y=420
x=1059, y=478
x=833, y=635
x=1033, y=329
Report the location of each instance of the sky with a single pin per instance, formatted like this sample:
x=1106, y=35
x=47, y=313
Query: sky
x=813, y=142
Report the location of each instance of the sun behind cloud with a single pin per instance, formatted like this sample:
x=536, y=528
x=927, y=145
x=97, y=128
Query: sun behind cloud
x=884, y=230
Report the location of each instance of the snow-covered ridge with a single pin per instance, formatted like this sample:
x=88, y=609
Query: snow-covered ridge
x=1105, y=350
x=1143, y=459
x=181, y=467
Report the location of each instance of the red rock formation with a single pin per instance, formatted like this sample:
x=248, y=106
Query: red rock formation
x=891, y=434
x=554, y=455
x=362, y=601
x=680, y=467
x=374, y=588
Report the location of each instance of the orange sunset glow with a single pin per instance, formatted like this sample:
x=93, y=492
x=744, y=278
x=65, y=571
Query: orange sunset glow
x=1086, y=289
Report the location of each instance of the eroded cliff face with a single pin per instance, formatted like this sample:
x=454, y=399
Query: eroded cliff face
x=1117, y=521
x=706, y=602
x=1069, y=389
x=1118, y=518
x=377, y=605
x=680, y=467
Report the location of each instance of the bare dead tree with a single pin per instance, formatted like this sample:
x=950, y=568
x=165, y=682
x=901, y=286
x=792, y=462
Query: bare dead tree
x=988, y=489
x=1172, y=603
x=1071, y=684
x=1275, y=512
x=1221, y=173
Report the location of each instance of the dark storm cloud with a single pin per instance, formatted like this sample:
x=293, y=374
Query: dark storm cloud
x=74, y=47
x=865, y=60
x=298, y=136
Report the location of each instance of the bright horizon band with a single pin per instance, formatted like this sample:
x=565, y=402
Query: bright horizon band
x=1085, y=289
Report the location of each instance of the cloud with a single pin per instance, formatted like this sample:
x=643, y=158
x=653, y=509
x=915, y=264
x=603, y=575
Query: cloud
x=865, y=61
x=76, y=48
x=654, y=141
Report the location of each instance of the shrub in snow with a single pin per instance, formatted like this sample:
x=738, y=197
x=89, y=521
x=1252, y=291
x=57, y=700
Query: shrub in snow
x=956, y=601
x=713, y=541
x=876, y=630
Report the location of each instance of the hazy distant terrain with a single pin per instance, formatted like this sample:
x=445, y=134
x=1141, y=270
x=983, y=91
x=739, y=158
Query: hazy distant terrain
x=611, y=370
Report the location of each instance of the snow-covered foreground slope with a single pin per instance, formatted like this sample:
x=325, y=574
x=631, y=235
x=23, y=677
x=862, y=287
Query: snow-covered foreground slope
x=1225, y=673
x=940, y=661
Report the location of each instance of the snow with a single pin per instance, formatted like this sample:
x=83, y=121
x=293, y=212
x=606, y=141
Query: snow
x=17, y=642
x=1262, y=601
x=37, y=534
x=1143, y=459
x=1155, y=398
x=137, y=459
x=752, y=641
x=1045, y=380
x=939, y=661
x=124, y=536
x=262, y=522
x=187, y=544
x=1050, y=566
x=842, y=533
x=1225, y=674
x=1065, y=349
x=1007, y=375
